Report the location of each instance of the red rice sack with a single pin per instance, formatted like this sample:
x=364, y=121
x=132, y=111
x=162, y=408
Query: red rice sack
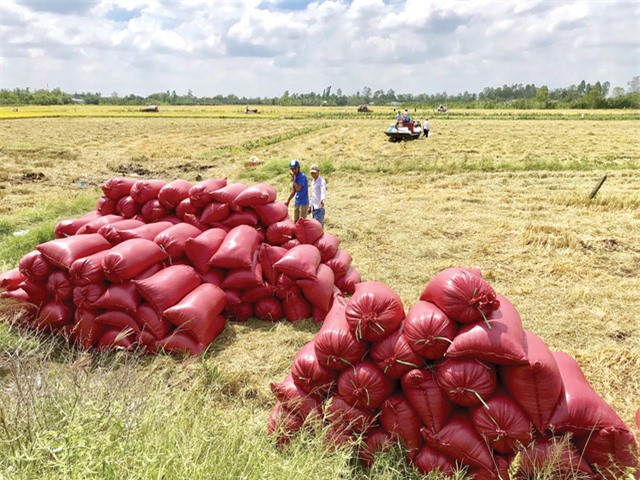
x=336, y=346
x=504, y=425
x=328, y=245
x=377, y=440
x=66, y=228
x=116, y=188
x=167, y=287
x=173, y=193
x=59, y=286
x=309, y=375
x=18, y=295
x=364, y=386
x=318, y=314
x=86, y=295
x=54, y=315
x=120, y=320
x=214, y=275
x=127, y=207
x=237, y=249
x=196, y=313
x=244, y=278
x=612, y=449
x=340, y=263
x=200, y=193
x=130, y=258
x=240, y=312
x=35, y=266
x=347, y=282
x=106, y=206
x=11, y=279
x=86, y=329
x=172, y=219
x=545, y=454
x=308, y=231
x=62, y=252
x=289, y=244
x=267, y=256
x=299, y=262
x=283, y=424
x=399, y=419
x=149, y=319
x=293, y=398
x=279, y=232
x=462, y=294
x=94, y=225
x=185, y=206
x=179, y=342
x=201, y=248
x=459, y=441
x=429, y=460
x=244, y=217
x=214, y=213
x=114, y=338
x=174, y=239
x=271, y=212
x=153, y=211
x=286, y=287
x=145, y=232
x=119, y=296
x=254, y=294
x=394, y=356
x=37, y=291
x=259, y=194
x=194, y=220
x=143, y=191
x=320, y=290
x=111, y=232
x=500, y=470
x=296, y=308
x=466, y=382
x=344, y=416
x=537, y=385
x=499, y=341
x=228, y=194
x=269, y=309
x=428, y=330
x=374, y=311
x=430, y=402
x=88, y=269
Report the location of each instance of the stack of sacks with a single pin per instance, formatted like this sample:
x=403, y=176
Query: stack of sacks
x=455, y=381
x=160, y=265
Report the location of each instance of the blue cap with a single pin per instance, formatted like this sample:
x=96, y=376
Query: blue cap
x=294, y=164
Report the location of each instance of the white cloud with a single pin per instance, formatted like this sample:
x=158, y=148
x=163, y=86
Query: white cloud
x=257, y=47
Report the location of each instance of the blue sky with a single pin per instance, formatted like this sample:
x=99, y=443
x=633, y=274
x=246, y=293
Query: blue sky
x=263, y=47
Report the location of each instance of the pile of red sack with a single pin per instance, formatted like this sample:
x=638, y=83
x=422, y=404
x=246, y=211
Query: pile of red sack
x=456, y=380
x=161, y=265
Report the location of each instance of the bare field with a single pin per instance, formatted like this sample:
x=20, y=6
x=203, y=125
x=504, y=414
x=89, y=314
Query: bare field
x=509, y=197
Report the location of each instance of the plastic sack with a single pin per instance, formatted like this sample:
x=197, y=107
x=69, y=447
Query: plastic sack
x=428, y=330
x=240, y=312
x=286, y=287
x=271, y=212
x=296, y=308
x=283, y=424
x=429, y=460
x=116, y=188
x=344, y=416
x=503, y=424
x=67, y=228
x=279, y=232
x=259, y=194
x=127, y=207
x=309, y=375
x=430, y=402
x=59, y=286
x=244, y=217
x=197, y=313
x=308, y=231
x=112, y=231
x=201, y=248
x=399, y=419
x=180, y=342
x=347, y=282
x=340, y=263
x=254, y=294
x=62, y=252
x=149, y=319
x=462, y=294
x=167, y=287
x=86, y=330
x=548, y=454
x=466, y=382
x=377, y=440
x=88, y=269
x=130, y=258
x=244, y=278
x=154, y=211
x=214, y=212
x=537, y=385
x=228, y=194
x=237, y=248
x=319, y=291
x=114, y=338
x=268, y=256
x=86, y=295
x=37, y=291
x=173, y=193
x=174, y=239
x=394, y=356
x=299, y=262
x=54, y=315
x=293, y=398
x=185, y=207
x=328, y=245
x=94, y=225
x=611, y=449
x=318, y=314
x=336, y=346
x=374, y=311
x=269, y=309
x=106, y=206
x=119, y=296
x=364, y=386
x=120, y=320
x=214, y=275
x=200, y=193
x=11, y=279
x=499, y=341
x=143, y=191
x=145, y=232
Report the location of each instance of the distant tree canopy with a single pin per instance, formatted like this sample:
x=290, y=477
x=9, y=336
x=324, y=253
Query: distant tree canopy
x=583, y=95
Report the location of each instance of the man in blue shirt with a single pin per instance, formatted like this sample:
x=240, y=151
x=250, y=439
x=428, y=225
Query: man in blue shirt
x=299, y=189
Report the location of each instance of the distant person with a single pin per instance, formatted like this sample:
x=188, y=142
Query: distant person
x=425, y=127
x=398, y=119
x=407, y=118
x=299, y=189
x=318, y=194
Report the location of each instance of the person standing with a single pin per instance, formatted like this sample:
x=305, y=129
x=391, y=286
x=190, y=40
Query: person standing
x=425, y=127
x=318, y=194
x=299, y=189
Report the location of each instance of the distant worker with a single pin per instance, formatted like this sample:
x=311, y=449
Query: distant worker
x=425, y=127
x=299, y=189
x=318, y=194
x=398, y=119
x=407, y=118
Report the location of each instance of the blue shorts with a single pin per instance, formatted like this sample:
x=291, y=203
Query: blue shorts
x=318, y=214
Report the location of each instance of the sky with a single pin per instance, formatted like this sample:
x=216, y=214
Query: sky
x=264, y=47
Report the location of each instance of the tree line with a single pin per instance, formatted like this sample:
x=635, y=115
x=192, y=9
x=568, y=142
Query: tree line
x=583, y=95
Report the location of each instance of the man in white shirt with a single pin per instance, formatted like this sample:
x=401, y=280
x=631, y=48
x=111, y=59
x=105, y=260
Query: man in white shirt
x=318, y=194
x=425, y=127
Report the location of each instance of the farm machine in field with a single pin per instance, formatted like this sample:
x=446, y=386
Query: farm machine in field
x=398, y=132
